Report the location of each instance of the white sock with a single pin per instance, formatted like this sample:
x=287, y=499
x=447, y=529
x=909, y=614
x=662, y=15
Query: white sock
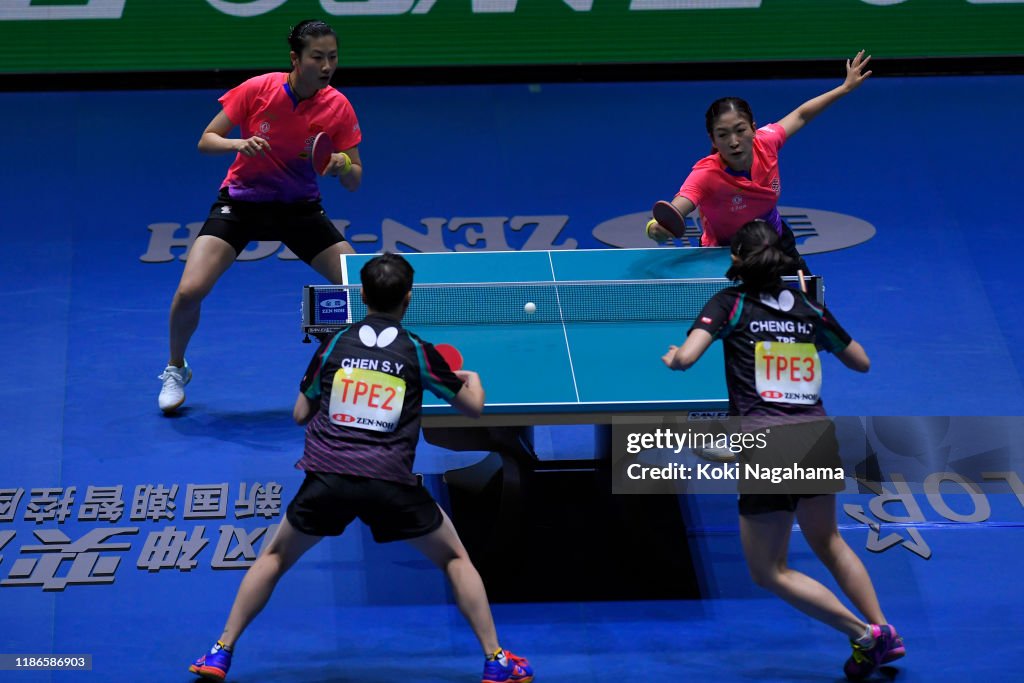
x=867, y=639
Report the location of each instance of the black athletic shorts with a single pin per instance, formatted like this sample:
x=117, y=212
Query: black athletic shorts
x=326, y=504
x=303, y=227
x=759, y=504
x=811, y=444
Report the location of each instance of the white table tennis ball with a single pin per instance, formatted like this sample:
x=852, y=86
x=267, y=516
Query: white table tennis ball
x=530, y=307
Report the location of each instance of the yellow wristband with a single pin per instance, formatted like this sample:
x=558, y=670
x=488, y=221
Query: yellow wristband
x=348, y=164
x=650, y=224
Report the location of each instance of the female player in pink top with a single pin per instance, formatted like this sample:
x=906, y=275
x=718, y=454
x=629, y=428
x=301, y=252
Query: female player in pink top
x=270, y=192
x=739, y=181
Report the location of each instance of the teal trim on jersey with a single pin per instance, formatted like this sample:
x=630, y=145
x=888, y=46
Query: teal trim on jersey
x=312, y=392
x=812, y=304
x=427, y=376
x=833, y=344
x=734, y=318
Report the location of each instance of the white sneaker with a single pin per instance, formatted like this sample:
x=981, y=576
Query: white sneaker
x=172, y=395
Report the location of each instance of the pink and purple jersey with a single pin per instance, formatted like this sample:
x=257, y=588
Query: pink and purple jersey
x=728, y=199
x=265, y=106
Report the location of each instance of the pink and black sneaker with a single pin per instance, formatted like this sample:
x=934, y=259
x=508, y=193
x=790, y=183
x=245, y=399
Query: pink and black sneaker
x=887, y=647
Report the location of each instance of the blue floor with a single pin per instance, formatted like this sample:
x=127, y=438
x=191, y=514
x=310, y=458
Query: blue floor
x=84, y=293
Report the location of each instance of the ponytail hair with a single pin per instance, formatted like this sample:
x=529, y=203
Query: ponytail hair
x=758, y=259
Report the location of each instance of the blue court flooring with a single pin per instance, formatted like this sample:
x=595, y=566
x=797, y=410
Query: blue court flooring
x=83, y=333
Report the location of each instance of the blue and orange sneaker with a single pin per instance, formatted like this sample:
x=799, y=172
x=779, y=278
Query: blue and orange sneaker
x=888, y=647
x=214, y=665
x=513, y=670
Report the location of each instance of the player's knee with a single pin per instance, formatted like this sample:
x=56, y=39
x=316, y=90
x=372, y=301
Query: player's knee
x=279, y=557
x=455, y=562
x=190, y=294
x=764, y=577
x=452, y=558
x=830, y=548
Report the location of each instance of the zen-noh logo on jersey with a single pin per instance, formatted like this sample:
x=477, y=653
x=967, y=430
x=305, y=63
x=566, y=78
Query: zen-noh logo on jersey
x=816, y=231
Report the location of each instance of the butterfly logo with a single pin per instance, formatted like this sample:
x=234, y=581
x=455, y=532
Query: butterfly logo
x=783, y=303
x=370, y=338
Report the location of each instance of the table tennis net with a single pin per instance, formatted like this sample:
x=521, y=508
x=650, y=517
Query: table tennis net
x=556, y=302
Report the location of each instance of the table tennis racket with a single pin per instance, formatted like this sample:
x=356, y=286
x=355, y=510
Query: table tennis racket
x=451, y=355
x=668, y=217
x=322, y=151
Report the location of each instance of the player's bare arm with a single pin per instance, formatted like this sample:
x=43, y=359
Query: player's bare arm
x=855, y=357
x=470, y=399
x=683, y=357
x=214, y=139
x=352, y=178
x=855, y=75
x=304, y=409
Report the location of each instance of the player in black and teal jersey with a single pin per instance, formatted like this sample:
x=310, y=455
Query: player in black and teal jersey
x=360, y=400
x=772, y=335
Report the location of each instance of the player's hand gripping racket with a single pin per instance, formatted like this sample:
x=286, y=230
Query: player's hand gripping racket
x=668, y=217
x=451, y=356
x=322, y=151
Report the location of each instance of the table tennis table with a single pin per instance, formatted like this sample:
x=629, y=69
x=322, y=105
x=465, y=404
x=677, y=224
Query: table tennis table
x=589, y=355
x=590, y=352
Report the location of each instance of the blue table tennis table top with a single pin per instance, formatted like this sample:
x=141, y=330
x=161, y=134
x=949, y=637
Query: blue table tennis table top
x=573, y=372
